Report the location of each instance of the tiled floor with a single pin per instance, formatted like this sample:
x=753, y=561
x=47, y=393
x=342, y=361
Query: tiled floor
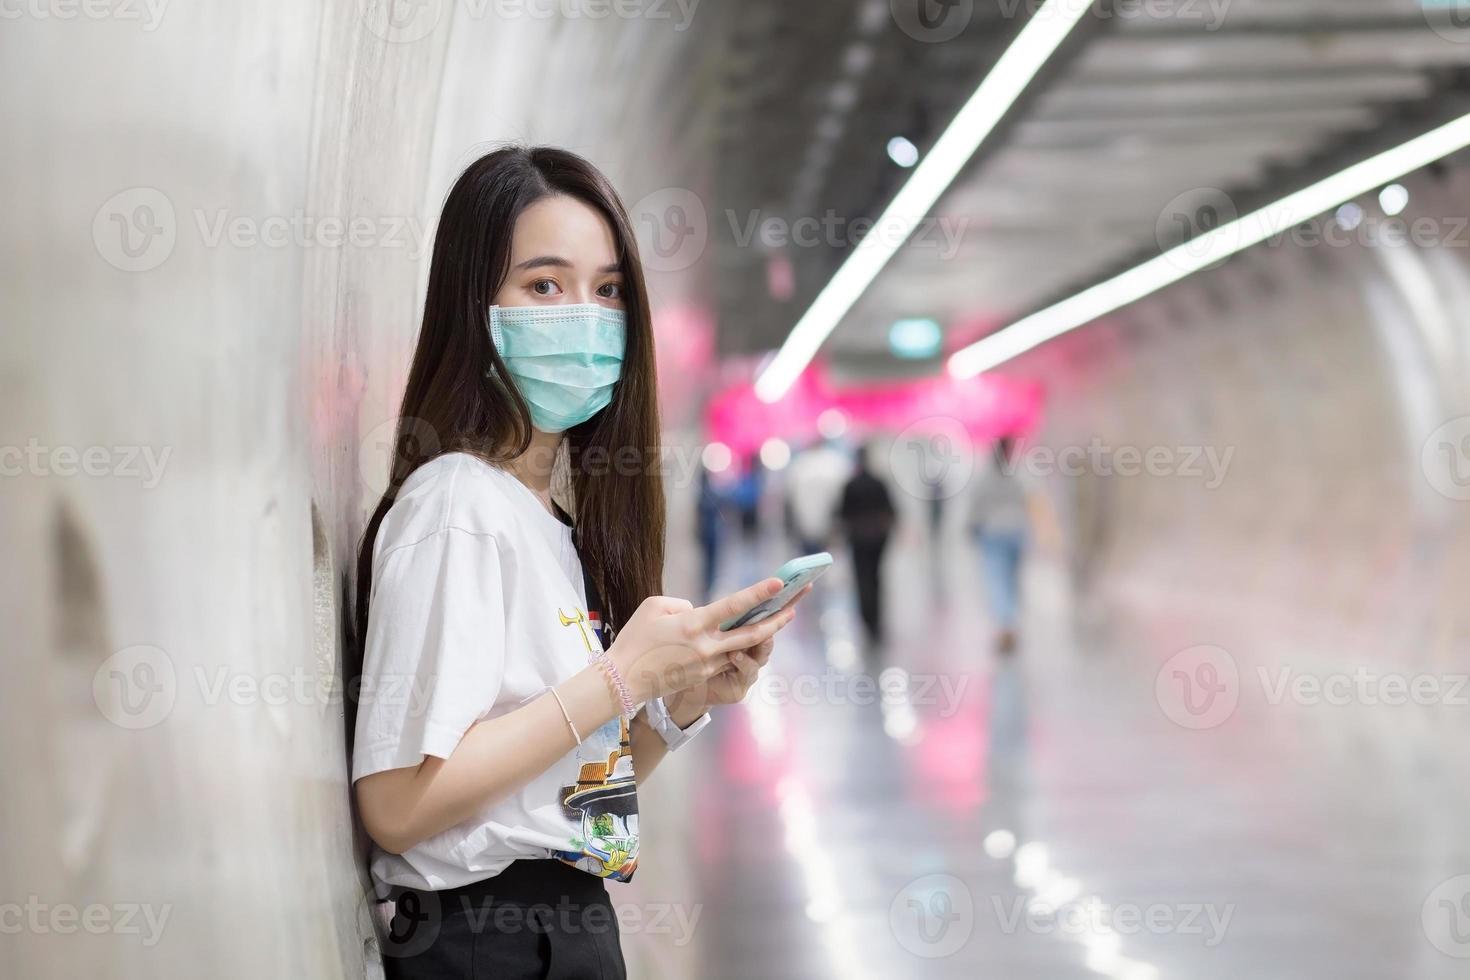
x=833, y=828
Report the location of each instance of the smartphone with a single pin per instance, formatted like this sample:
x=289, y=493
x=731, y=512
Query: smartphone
x=794, y=576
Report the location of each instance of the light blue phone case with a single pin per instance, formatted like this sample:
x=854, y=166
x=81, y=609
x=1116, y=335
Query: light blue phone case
x=795, y=574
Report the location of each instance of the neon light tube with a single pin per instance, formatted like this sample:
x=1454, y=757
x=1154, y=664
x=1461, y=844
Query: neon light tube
x=1037, y=42
x=1207, y=249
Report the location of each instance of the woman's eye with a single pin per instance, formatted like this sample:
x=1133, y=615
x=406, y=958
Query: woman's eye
x=611, y=291
x=543, y=287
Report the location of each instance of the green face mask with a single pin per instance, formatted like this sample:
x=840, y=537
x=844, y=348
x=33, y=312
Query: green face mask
x=565, y=360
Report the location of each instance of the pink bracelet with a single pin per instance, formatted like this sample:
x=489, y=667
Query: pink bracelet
x=602, y=660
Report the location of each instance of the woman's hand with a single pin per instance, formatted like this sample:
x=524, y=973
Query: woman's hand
x=729, y=686
x=669, y=644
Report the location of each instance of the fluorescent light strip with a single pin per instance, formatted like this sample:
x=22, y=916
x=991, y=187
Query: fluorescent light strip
x=1036, y=43
x=1206, y=250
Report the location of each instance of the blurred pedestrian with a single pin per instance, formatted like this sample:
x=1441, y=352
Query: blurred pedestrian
x=746, y=496
x=1000, y=519
x=866, y=513
x=814, y=482
x=709, y=522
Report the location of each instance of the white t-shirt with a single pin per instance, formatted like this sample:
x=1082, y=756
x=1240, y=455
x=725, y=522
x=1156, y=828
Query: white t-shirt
x=998, y=501
x=478, y=604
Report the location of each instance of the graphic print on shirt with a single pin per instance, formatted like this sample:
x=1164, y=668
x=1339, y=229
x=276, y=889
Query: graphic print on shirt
x=604, y=800
x=581, y=619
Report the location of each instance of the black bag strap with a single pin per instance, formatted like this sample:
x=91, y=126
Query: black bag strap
x=594, y=603
x=594, y=598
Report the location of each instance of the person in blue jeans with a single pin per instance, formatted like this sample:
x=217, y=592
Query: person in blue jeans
x=999, y=517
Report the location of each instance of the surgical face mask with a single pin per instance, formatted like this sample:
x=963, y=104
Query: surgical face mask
x=565, y=360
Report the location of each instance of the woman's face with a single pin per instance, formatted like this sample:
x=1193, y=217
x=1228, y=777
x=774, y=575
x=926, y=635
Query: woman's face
x=563, y=252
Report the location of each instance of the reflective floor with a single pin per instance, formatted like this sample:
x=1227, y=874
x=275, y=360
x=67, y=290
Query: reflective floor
x=935, y=810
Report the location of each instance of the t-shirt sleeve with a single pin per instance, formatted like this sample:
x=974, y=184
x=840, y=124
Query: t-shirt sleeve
x=434, y=657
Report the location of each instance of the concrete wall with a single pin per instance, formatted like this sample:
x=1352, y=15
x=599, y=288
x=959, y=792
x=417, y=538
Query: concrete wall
x=218, y=219
x=1332, y=378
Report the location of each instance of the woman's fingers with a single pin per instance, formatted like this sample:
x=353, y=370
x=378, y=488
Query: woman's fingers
x=756, y=633
x=749, y=669
x=712, y=615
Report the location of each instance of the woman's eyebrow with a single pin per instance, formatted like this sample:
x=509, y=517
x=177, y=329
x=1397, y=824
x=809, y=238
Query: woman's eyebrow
x=544, y=260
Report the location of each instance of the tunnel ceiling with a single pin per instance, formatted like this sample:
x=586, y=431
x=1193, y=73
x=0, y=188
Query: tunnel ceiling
x=1165, y=98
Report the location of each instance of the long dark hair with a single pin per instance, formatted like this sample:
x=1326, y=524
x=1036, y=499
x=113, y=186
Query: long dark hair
x=459, y=398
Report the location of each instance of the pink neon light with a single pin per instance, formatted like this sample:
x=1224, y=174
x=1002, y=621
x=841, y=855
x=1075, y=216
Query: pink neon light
x=987, y=406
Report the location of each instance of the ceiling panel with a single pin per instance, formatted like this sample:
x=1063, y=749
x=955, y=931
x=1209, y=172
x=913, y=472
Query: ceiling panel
x=1161, y=99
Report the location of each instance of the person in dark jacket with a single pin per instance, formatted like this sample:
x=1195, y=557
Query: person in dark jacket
x=866, y=514
x=710, y=527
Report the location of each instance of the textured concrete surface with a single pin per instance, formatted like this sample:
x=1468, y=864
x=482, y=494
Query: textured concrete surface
x=217, y=231
x=1332, y=378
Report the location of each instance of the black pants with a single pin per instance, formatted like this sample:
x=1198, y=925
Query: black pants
x=867, y=566
x=536, y=919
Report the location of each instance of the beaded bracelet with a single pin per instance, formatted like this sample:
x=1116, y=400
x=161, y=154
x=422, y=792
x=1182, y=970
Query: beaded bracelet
x=602, y=660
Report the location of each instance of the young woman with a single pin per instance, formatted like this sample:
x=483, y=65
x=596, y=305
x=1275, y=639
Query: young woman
x=516, y=655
